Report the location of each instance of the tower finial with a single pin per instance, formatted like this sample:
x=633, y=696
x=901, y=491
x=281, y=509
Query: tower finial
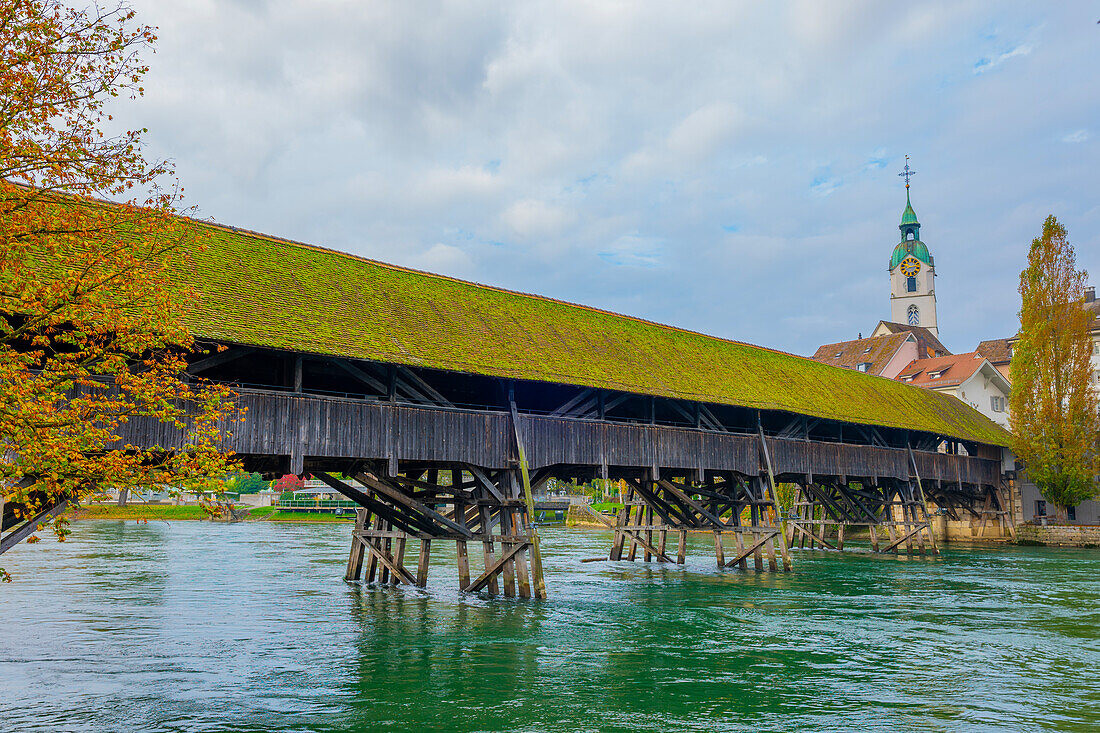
x=907, y=174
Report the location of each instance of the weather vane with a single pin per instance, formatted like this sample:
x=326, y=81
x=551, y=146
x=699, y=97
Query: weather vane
x=907, y=174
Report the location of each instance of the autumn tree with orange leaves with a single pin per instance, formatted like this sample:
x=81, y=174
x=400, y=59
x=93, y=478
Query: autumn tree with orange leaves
x=1054, y=415
x=90, y=333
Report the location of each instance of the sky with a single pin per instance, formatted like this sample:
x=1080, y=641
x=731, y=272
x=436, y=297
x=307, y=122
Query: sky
x=726, y=167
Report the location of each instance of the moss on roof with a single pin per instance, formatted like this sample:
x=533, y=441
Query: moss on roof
x=259, y=290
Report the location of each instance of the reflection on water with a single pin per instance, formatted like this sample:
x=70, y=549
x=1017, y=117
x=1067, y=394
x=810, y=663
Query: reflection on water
x=199, y=627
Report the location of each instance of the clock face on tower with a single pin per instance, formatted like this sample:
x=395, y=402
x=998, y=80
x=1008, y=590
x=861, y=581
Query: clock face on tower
x=910, y=266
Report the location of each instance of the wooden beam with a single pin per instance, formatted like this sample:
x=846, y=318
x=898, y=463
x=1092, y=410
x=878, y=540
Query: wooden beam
x=764, y=536
x=495, y=568
x=811, y=535
x=536, y=550
x=410, y=376
x=17, y=535
x=679, y=494
x=485, y=481
x=775, y=504
x=909, y=536
x=396, y=495
x=231, y=354
x=400, y=574
x=568, y=406
x=361, y=375
x=409, y=524
x=923, y=501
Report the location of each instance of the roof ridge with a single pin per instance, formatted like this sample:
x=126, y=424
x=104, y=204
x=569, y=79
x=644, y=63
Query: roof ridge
x=484, y=286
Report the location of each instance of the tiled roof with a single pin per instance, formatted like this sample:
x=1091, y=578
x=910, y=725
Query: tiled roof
x=996, y=350
x=876, y=350
x=259, y=290
x=924, y=336
x=943, y=371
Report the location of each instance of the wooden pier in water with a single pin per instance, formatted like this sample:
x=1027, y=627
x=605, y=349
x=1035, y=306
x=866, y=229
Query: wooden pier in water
x=451, y=404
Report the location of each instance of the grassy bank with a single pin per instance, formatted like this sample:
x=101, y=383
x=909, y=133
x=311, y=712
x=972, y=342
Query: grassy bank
x=270, y=514
x=192, y=513
x=139, y=511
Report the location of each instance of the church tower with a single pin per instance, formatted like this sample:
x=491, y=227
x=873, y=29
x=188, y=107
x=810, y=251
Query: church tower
x=912, y=271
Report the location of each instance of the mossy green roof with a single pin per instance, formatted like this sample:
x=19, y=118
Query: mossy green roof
x=263, y=291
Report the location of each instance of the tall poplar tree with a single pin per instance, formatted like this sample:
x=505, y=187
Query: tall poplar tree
x=91, y=334
x=1054, y=415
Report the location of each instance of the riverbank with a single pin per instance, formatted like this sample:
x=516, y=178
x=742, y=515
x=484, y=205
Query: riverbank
x=1059, y=535
x=191, y=513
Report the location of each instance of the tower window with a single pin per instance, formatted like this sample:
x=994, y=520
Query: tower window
x=911, y=284
x=914, y=315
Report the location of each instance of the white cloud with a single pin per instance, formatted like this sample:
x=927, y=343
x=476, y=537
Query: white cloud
x=444, y=258
x=987, y=63
x=532, y=218
x=597, y=152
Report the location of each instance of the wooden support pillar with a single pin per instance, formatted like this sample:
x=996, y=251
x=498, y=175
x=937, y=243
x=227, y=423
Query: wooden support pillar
x=635, y=520
x=398, y=559
x=623, y=519
x=358, y=546
x=387, y=552
x=422, y=565
x=487, y=545
x=647, y=514
x=719, y=553
x=372, y=556
x=739, y=543
x=757, y=558
x=461, y=551
x=681, y=547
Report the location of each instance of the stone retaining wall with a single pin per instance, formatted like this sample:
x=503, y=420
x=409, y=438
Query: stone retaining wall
x=1065, y=535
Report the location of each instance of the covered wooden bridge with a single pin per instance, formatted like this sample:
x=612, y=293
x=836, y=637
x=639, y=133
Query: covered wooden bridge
x=450, y=402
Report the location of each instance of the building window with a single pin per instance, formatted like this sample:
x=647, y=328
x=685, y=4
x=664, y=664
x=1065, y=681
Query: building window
x=1071, y=513
x=914, y=315
x=997, y=403
x=1040, y=508
x=911, y=284
x=864, y=366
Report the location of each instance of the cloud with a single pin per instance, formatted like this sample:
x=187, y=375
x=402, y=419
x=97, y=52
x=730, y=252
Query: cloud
x=443, y=258
x=987, y=63
x=597, y=152
x=633, y=251
x=532, y=218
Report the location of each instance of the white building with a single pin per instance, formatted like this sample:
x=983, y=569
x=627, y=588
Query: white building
x=969, y=377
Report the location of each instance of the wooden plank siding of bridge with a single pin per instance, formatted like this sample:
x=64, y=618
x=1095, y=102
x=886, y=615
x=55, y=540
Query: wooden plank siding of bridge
x=451, y=401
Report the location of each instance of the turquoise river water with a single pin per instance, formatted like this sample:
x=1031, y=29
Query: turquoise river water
x=193, y=626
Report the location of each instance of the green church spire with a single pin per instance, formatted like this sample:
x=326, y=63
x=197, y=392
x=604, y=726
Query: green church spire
x=908, y=217
x=910, y=228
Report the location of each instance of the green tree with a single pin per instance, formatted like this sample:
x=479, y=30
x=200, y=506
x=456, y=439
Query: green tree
x=1054, y=415
x=91, y=334
x=247, y=483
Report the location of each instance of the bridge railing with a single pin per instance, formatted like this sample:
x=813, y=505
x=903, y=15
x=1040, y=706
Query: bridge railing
x=283, y=424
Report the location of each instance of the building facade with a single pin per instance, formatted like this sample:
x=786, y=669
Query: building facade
x=969, y=377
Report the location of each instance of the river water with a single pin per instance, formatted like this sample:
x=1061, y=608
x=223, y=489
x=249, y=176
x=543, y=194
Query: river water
x=193, y=626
